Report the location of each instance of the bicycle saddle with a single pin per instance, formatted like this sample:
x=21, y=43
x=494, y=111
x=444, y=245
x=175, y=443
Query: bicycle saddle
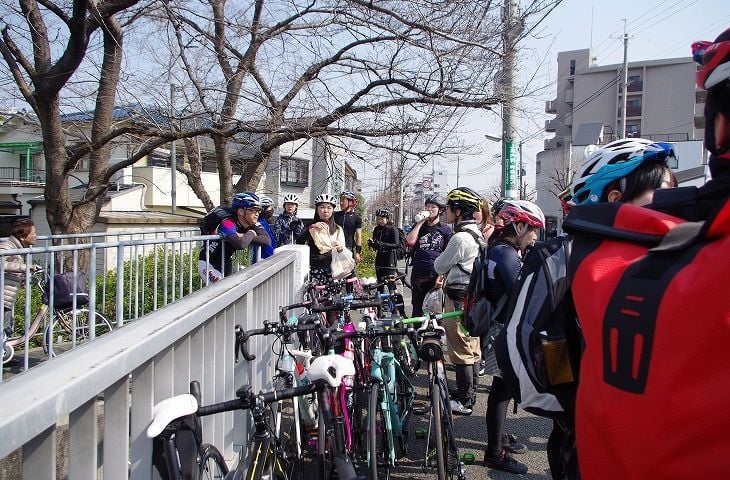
x=170, y=409
x=331, y=368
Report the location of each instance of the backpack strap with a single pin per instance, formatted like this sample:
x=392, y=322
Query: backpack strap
x=634, y=306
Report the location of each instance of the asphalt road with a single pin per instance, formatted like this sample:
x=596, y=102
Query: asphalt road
x=471, y=435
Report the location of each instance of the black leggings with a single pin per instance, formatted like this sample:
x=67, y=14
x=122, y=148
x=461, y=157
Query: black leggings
x=420, y=286
x=497, y=404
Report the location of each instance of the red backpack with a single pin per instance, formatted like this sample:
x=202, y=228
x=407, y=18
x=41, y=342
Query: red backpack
x=652, y=296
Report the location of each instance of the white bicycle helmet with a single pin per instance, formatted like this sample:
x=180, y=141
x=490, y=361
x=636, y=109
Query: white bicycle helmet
x=325, y=198
x=291, y=198
x=615, y=152
x=518, y=211
x=266, y=202
x=534, y=213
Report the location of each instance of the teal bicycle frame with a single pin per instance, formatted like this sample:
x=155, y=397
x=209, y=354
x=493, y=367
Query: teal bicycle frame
x=393, y=418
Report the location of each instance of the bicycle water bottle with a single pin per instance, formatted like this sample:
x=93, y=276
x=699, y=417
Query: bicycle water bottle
x=306, y=409
x=287, y=363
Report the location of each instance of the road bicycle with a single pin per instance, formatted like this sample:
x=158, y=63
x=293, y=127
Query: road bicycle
x=178, y=452
x=267, y=457
x=440, y=438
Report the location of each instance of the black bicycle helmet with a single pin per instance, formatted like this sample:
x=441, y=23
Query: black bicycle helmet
x=435, y=200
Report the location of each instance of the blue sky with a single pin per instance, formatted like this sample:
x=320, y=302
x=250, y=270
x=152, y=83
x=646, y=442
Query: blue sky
x=657, y=29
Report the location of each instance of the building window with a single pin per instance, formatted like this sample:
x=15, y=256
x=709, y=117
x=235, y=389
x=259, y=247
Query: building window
x=634, y=83
x=294, y=172
x=633, y=129
x=572, y=67
x=538, y=166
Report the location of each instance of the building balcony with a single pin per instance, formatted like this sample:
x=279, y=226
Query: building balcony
x=551, y=106
x=551, y=125
x=551, y=143
x=637, y=86
x=22, y=177
x=630, y=112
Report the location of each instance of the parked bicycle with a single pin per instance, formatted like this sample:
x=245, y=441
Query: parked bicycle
x=178, y=452
x=67, y=328
x=267, y=457
x=441, y=445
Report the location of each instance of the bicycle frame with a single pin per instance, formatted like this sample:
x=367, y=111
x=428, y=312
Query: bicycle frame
x=386, y=361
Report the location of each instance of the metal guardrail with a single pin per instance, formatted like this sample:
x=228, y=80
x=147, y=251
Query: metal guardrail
x=154, y=273
x=121, y=375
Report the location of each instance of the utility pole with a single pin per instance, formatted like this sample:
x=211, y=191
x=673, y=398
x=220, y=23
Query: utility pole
x=511, y=30
x=624, y=86
x=173, y=152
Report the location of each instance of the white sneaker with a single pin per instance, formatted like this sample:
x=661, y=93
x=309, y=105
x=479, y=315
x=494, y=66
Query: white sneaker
x=460, y=409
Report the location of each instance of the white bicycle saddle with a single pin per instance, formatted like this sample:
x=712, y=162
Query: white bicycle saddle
x=331, y=368
x=170, y=409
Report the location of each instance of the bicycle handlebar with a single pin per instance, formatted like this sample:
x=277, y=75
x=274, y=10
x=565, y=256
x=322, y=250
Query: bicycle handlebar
x=246, y=401
x=439, y=316
x=269, y=328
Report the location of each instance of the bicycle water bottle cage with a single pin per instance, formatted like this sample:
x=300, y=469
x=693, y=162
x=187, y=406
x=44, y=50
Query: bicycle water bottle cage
x=170, y=409
x=331, y=368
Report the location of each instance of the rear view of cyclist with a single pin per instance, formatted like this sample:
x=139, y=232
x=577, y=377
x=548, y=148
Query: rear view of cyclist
x=288, y=226
x=236, y=234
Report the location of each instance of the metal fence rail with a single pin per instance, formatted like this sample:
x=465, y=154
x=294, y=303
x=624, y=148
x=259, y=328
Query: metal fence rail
x=121, y=375
x=126, y=279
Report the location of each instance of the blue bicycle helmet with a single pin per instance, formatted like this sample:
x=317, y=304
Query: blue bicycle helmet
x=348, y=195
x=266, y=202
x=246, y=200
x=618, y=167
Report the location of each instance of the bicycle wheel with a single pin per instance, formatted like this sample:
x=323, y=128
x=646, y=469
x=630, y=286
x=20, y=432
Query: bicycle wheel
x=325, y=452
x=8, y=353
x=285, y=430
x=404, y=398
x=211, y=465
x=59, y=335
x=378, y=449
x=437, y=430
x=448, y=442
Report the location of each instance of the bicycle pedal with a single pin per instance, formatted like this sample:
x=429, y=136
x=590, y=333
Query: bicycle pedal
x=421, y=432
x=420, y=408
x=468, y=458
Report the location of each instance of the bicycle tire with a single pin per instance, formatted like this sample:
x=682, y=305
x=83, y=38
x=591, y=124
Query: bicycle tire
x=58, y=335
x=437, y=429
x=404, y=399
x=451, y=453
x=211, y=465
x=325, y=454
x=285, y=432
x=8, y=353
x=378, y=449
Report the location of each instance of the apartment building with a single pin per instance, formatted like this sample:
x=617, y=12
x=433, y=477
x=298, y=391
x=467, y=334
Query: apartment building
x=662, y=104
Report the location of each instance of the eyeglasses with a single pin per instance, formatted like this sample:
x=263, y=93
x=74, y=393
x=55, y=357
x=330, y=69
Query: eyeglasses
x=255, y=210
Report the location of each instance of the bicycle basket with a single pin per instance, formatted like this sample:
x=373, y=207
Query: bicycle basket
x=63, y=290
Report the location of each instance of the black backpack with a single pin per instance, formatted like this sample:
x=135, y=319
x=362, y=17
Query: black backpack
x=402, y=251
x=538, y=350
x=478, y=311
x=212, y=219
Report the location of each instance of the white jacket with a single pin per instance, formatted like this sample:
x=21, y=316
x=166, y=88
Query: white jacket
x=458, y=258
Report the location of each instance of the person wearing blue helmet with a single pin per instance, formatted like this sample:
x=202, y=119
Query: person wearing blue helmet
x=265, y=251
x=630, y=171
x=236, y=233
